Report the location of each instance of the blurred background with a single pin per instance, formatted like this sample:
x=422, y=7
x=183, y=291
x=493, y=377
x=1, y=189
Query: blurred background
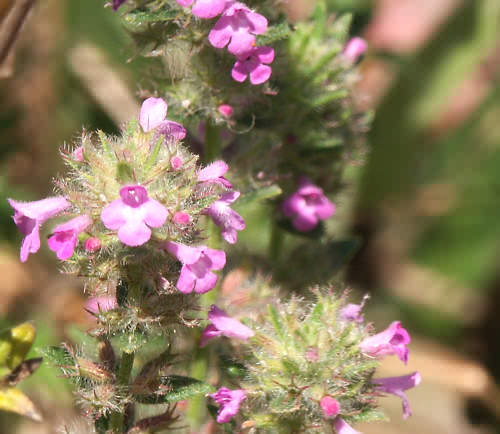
x=424, y=203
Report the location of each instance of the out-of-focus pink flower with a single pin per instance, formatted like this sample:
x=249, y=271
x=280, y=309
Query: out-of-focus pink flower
x=330, y=407
x=226, y=110
x=307, y=206
x=100, y=304
x=352, y=312
x=223, y=325
x=92, y=244
x=354, y=49
x=65, y=236
x=397, y=386
x=392, y=340
x=342, y=427
x=230, y=401
x=117, y=4
x=197, y=265
x=214, y=173
x=152, y=117
x=29, y=216
x=312, y=354
x=226, y=218
x=133, y=214
x=237, y=26
x=181, y=218
x=256, y=64
x=204, y=8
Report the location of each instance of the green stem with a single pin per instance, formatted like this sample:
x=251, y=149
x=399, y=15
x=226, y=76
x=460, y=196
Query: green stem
x=197, y=411
x=123, y=379
x=275, y=241
x=213, y=146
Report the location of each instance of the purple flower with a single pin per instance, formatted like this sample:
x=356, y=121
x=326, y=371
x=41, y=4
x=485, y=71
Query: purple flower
x=230, y=401
x=132, y=215
x=352, y=312
x=204, y=8
x=237, y=26
x=65, y=236
x=397, y=386
x=117, y=4
x=354, y=49
x=29, y=216
x=392, y=340
x=223, y=325
x=197, y=263
x=225, y=217
x=152, y=116
x=213, y=173
x=253, y=64
x=342, y=427
x=330, y=407
x=307, y=205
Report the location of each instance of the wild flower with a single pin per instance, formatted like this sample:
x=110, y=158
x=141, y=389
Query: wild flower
x=226, y=218
x=307, y=206
x=343, y=427
x=397, y=386
x=213, y=173
x=354, y=49
x=254, y=63
x=230, y=401
x=152, y=117
x=29, y=216
x=204, y=8
x=133, y=214
x=330, y=406
x=392, y=340
x=197, y=265
x=65, y=236
x=221, y=324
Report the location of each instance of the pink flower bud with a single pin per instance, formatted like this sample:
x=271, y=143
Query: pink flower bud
x=176, y=163
x=330, y=406
x=92, y=244
x=181, y=218
x=78, y=154
x=226, y=110
x=354, y=49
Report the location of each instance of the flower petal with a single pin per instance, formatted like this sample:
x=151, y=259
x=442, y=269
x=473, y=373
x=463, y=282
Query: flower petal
x=113, y=214
x=208, y=8
x=134, y=233
x=342, y=427
x=213, y=171
x=260, y=74
x=185, y=254
x=152, y=114
x=155, y=214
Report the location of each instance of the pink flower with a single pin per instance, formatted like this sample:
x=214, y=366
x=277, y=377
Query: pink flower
x=226, y=110
x=230, y=401
x=237, y=26
x=393, y=340
x=330, y=407
x=213, y=173
x=225, y=217
x=65, y=236
x=204, y=8
x=397, y=386
x=29, y=216
x=197, y=265
x=152, y=117
x=354, y=49
x=100, y=304
x=92, y=244
x=223, y=325
x=342, y=427
x=307, y=205
x=254, y=63
x=117, y=4
x=78, y=154
x=176, y=162
x=132, y=215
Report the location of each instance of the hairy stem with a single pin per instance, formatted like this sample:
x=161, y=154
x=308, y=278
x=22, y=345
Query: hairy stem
x=123, y=379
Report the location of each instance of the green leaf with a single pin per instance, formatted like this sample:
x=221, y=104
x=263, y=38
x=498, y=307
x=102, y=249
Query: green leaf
x=130, y=342
x=15, y=344
x=178, y=389
x=124, y=173
x=58, y=356
x=139, y=18
x=274, y=33
x=260, y=194
x=13, y=400
x=276, y=322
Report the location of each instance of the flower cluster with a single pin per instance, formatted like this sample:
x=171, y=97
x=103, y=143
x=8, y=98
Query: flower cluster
x=237, y=28
x=142, y=189
x=315, y=367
